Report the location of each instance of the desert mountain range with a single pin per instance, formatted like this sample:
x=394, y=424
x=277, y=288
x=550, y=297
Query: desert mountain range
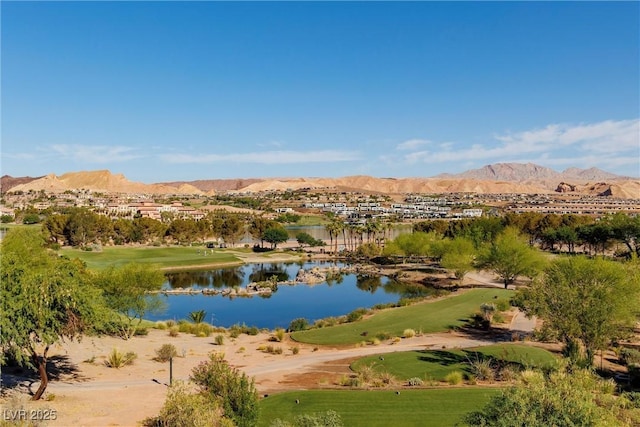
x=497, y=178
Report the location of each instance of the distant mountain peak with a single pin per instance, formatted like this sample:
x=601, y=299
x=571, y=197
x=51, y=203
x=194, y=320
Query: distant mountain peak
x=526, y=172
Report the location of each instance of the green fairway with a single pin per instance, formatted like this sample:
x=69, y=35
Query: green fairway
x=427, y=317
x=436, y=364
x=165, y=257
x=427, y=407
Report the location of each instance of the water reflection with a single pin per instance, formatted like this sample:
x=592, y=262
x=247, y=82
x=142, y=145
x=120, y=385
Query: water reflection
x=264, y=272
x=369, y=283
x=224, y=277
x=339, y=295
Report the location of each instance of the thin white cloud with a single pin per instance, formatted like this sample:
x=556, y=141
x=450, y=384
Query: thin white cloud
x=267, y=157
x=412, y=144
x=606, y=143
x=95, y=153
x=274, y=144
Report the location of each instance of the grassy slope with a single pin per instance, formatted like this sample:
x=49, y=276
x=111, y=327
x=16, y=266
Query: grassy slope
x=427, y=407
x=436, y=364
x=426, y=317
x=162, y=256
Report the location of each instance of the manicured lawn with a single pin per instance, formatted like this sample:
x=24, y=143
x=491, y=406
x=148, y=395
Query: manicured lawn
x=426, y=407
x=427, y=317
x=436, y=364
x=161, y=256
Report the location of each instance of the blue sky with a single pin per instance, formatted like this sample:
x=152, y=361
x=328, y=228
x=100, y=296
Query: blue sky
x=202, y=90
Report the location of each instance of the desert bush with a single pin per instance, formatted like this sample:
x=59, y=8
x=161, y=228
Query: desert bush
x=236, y=391
x=117, y=359
x=408, y=333
x=295, y=349
x=383, y=336
x=415, y=382
x=219, y=339
x=166, y=352
x=299, y=324
x=170, y=323
x=278, y=335
x=454, y=377
x=174, y=331
x=324, y=419
x=503, y=304
x=185, y=408
x=482, y=369
x=366, y=373
x=629, y=356
x=356, y=314
x=488, y=310
x=374, y=341
x=508, y=373
x=160, y=325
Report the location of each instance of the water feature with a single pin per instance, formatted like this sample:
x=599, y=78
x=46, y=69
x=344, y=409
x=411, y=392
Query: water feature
x=331, y=298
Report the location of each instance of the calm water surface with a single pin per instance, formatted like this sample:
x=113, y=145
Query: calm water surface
x=314, y=302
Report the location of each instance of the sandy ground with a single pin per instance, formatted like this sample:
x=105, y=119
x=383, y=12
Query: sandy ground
x=88, y=393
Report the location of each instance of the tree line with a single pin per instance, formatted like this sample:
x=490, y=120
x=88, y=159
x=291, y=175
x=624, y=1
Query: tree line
x=80, y=227
x=563, y=233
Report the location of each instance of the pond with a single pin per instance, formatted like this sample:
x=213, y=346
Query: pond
x=332, y=298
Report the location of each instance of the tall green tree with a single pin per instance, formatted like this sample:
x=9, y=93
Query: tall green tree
x=232, y=229
x=510, y=256
x=274, y=235
x=43, y=298
x=458, y=255
x=126, y=290
x=585, y=301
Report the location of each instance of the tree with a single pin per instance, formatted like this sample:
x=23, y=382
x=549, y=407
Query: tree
x=510, y=256
x=184, y=231
x=458, y=255
x=43, y=298
x=82, y=227
x=232, y=229
x=584, y=301
x=304, y=238
x=275, y=235
x=258, y=226
x=234, y=389
x=561, y=400
x=126, y=291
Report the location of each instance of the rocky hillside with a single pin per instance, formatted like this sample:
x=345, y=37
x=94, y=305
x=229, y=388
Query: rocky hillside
x=529, y=172
x=497, y=178
x=102, y=181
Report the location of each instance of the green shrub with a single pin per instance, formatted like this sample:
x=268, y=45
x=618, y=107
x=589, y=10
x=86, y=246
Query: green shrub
x=278, y=335
x=185, y=408
x=219, y=339
x=408, y=333
x=415, y=382
x=117, y=360
x=174, y=331
x=629, y=356
x=482, y=369
x=503, y=304
x=454, y=377
x=295, y=349
x=166, y=352
x=299, y=324
x=236, y=391
x=356, y=314
x=160, y=325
